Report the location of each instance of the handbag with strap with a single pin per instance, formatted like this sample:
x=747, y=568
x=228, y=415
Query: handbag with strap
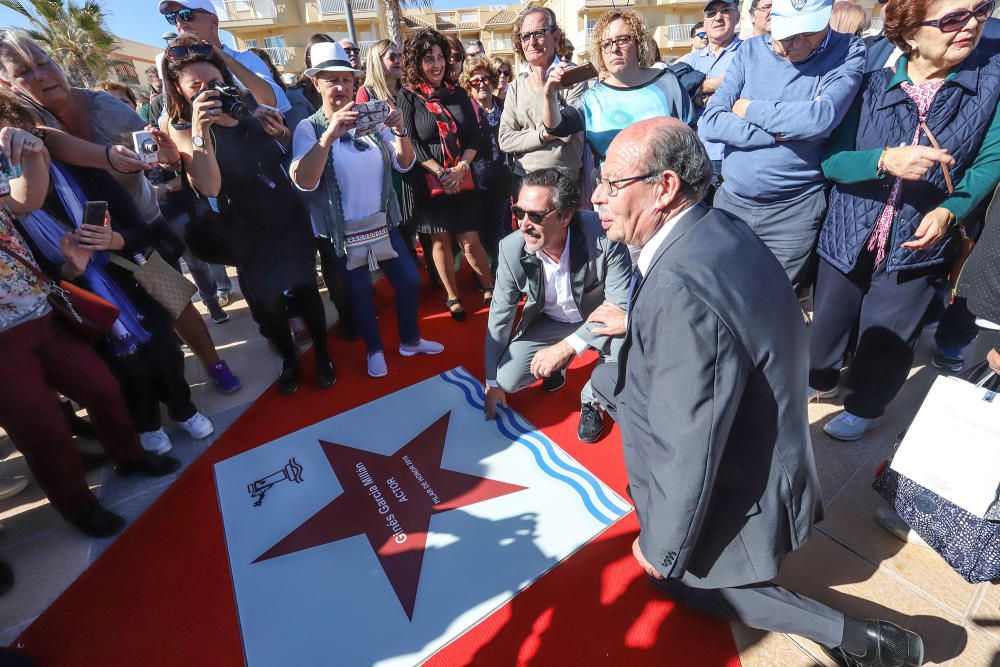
x=86, y=314
x=930, y=492
x=161, y=281
x=367, y=242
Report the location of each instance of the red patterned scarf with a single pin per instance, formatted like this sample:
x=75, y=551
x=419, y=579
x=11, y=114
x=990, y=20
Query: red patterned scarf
x=446, y=126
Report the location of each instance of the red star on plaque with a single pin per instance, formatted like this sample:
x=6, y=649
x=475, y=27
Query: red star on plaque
x=390, y=499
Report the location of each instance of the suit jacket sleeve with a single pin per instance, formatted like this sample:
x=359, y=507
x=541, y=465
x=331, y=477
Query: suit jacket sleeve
x=503, y=310
x=617, y=277
x=697, y=373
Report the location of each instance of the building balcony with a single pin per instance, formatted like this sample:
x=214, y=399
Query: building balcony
x=281, y=56
x=364, y=48
x=503, y=45
x=245, y=13
x=674, y=36
x=334, y=10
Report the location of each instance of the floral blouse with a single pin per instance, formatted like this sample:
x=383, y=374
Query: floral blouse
x=23, y=296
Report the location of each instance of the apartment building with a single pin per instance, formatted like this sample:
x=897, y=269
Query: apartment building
x=669, y=21
x=283, y=27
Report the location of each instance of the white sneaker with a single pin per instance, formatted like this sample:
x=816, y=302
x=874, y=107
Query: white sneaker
x=156, y=441
x=199, y=426
x=422, y=347
x=849, y=427
x=376, y=365
x=11, y=486
x=819, y=395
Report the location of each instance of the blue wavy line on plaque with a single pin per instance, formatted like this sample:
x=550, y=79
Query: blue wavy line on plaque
x=529, y=432
x=515, y=434
x=518, y=423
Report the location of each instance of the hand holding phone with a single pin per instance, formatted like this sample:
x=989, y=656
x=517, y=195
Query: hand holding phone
x=575, y=75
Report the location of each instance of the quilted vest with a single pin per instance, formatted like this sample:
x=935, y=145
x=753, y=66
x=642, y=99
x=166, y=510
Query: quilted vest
x=959, y=118
x=325, y=204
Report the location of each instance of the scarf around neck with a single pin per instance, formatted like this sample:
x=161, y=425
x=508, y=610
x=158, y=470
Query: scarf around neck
x=447, y=128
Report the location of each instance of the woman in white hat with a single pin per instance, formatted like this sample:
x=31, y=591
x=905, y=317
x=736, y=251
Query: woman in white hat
x=354, y=208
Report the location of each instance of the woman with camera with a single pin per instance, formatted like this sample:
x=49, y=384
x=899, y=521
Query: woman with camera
x=231, y=158
x=354, y=207
x=90, y=128
x=41, y=356
x=442, y=124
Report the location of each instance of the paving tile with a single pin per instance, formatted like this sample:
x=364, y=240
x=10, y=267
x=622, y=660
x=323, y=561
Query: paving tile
x=850, y=520
x=987, y=615
x=767, y=649
x=982, y=650
x=834, y=575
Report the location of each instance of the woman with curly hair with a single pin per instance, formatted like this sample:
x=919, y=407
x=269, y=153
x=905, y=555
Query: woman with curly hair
x=627, y=91
x=441, y=121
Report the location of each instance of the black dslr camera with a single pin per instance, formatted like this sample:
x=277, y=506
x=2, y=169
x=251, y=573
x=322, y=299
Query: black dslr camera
x=232, y=103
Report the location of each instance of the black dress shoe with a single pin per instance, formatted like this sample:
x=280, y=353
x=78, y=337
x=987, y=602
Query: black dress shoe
x=555, y=381
x=888, y=645
x=288, y=381
x=96, y=521
x=6, y=577
x=326, y=375
x=149, y=464
x=591, y=423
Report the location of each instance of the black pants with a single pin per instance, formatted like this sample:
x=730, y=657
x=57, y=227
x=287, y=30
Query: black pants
x=957, y=327
x=889, y=309
x=335, y=285
x=271, y=315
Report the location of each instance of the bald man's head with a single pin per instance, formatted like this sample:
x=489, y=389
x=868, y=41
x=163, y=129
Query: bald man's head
x=666, y=144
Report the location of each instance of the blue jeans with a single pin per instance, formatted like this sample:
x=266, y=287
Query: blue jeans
x=401, y=272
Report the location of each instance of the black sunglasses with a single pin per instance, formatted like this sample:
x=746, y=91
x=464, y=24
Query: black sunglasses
x=352, y=50
x=202, y=50
x=955, y=21
x=535, y=216
x=186, y=15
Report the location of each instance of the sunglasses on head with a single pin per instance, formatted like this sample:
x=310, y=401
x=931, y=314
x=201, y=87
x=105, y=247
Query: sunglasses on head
x=535, y=216
x=955, y=21
x=202, y=50
x=186, y=15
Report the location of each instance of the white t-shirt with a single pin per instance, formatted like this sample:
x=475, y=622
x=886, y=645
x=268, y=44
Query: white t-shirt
x=361, y=182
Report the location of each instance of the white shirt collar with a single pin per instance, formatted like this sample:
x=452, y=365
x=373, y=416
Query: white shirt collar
x=563, y=258
x=648, y=251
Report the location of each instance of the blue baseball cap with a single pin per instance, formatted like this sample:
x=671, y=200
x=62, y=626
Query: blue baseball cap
x=794, y=17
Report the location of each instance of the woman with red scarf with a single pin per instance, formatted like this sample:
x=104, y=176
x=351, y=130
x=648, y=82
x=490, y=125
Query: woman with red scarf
x=442, y=124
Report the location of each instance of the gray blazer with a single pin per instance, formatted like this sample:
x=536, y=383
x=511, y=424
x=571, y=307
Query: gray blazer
x=600, y=270
x=711, y=400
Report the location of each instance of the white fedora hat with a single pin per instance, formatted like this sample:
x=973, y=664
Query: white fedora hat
x=328, y=57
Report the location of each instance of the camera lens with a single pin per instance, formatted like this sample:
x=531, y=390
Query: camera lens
x=150, y=146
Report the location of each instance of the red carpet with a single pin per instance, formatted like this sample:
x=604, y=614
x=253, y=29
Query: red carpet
x=162, y=594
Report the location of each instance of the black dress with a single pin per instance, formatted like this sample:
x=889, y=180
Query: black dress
x=458, y=213
x=273, y=236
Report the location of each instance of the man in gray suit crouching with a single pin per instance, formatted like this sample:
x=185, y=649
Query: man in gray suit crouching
x=565, y=265
x=710, y=393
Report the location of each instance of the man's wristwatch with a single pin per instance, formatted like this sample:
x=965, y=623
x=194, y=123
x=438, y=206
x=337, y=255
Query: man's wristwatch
x=199, y=142
x=404, y=133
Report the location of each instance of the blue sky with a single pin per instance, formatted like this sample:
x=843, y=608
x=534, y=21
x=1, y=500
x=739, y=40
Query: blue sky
x=139, y=20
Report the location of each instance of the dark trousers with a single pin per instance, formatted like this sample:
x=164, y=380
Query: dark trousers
x=957, y=327
x=401, y=272
x=889, y=309
x=270, y=311
x=764, y=606
x=42, y=357
x=335, y=287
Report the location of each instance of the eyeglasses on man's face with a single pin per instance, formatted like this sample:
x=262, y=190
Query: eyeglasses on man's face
x=614, y=186
x=621, y=41
x=536, y=217
x=536, y=36
x=186, y=15
x=352, y=50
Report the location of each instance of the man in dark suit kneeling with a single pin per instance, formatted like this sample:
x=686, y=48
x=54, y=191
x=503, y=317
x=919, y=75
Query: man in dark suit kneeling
x=566, y=267
x=710, y=393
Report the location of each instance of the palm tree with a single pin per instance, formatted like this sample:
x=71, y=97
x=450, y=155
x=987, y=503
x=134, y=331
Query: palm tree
x=393, y=10
x=75, y=35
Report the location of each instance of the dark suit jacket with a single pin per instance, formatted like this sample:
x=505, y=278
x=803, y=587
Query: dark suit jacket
x=599, y=270
x=711, y=400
